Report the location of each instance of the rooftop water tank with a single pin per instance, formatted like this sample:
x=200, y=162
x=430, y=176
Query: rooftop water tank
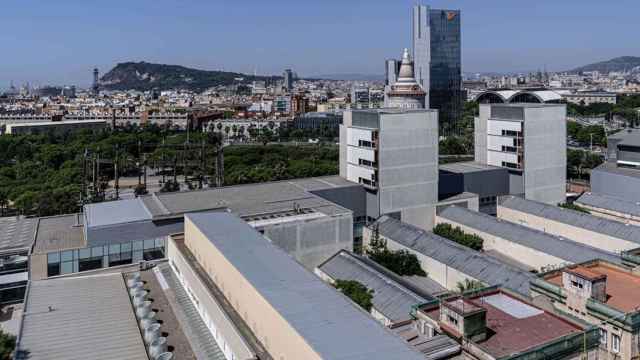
x=146, y=322
x=138, y=286
x=135, y=277
x=143, y=310
x=151, y=333
x=157, y=347
x=165, y=356
x=151, y=315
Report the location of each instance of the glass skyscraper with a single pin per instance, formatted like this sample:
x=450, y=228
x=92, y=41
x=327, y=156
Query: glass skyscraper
x=437, y=58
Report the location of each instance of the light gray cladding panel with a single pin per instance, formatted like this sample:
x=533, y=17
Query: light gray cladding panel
x=396, y=199
x=507, y=112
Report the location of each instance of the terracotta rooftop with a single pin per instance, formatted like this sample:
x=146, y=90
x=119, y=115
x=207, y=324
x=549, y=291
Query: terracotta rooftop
x=623, y=287
x=585, y=273
x=515, y=326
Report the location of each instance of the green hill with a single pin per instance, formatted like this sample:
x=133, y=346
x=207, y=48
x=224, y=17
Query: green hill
x=146, y=76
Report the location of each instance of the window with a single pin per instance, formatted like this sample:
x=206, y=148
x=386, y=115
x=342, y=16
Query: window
x=365, y=143
x=603, y=337
x=576, y=284
x=615, y=343
x=452, y=320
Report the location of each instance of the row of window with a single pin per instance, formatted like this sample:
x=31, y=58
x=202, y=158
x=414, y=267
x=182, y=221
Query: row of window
x=616, y=340
x=511, y=149
x=367, y=163
x=511, y=133
x=98, y=257
x=365, y=143
x=510, y=165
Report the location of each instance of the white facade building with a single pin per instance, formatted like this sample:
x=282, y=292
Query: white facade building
x=530, y=141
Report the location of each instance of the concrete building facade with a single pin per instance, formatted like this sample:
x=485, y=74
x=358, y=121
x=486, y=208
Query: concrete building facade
x=393, y=153
x=530, y=141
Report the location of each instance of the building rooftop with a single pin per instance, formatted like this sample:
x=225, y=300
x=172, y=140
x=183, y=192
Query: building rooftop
x=390, y=298
x=611, y=203
x=612, y=167
x=54, y=123
x=557, y=246
x=17, y=233
x=623, y=286
x=246, y=200
x=468, y=167
x=79, y=318
x=115, y=212
x=56, y=233
x=515, y=326
x=574, y=218
x=325, y=319
x=629, y=137
x=473, y=263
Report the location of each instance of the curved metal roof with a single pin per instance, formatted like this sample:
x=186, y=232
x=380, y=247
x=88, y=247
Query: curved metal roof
x=508, y=95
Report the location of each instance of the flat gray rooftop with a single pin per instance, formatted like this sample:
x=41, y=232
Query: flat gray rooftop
x=612, y=167
x=559, y=247
x=115, y=212
x=574, y=218
x=325, y=319
x=56, y=233
x=629, y=137
x=612, y=203
x=88, y=317
x=468, y=167
x=17, y=233
x=473, y=263
x=245, y=200
x=390, y=298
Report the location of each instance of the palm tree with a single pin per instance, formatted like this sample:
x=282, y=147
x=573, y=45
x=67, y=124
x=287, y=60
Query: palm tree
x=468, y=285
x=234, y=127
x=226, y=130
x=219, y=126
x=241, y=130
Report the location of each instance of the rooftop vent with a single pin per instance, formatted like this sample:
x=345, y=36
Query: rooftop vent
x=151, y=333
x=157, y=347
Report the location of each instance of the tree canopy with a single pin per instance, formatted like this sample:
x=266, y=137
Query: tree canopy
x=456, y=234
x=357, y=292
x=400, y=262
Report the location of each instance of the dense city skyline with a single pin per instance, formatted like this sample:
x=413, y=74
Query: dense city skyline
x=63, y=41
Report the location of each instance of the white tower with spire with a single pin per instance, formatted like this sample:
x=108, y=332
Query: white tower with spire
x=405, y=93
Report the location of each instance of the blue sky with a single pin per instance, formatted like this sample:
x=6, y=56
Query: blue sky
x=59, y=42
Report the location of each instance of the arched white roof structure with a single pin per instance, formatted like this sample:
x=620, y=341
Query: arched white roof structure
x=508, y=96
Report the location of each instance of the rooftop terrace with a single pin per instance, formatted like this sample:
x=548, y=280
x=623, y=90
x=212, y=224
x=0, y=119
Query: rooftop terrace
x=623, y=286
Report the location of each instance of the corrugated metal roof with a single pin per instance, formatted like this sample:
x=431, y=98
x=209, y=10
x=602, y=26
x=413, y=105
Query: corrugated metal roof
x=574, y=218
x=390, y=298
x=562, y=248
x=612, y=203
x=326, y=320
x=115, y=212
x=17, y=233
x=612, y=167
x=91, y=317
x=475, y=264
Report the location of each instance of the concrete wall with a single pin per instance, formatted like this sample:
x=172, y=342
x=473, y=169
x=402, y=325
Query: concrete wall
x=545, y=154
x=408, y=165
x=273, y=331
x=312, y=242
x=576, y=234
x=223, y=330
x=38, y=267
x=443, y=274
x=480, y=134
x=526, y=255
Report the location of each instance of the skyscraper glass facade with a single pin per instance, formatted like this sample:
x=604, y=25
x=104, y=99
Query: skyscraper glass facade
x=445, y=92
x=437, y=57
